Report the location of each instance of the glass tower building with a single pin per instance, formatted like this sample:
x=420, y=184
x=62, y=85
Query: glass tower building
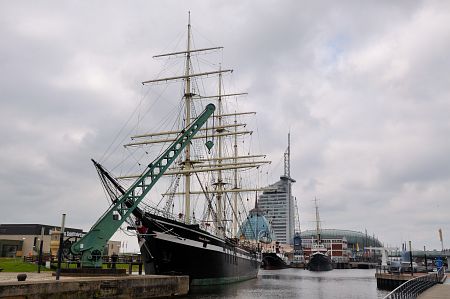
x=278, y=207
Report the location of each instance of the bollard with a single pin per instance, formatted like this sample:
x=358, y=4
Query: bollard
x=21, y=277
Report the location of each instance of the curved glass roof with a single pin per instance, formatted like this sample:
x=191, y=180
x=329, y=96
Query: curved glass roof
x=353, y=237
x=257, y=227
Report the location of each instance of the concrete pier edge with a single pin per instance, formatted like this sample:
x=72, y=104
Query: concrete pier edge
x=145, y=286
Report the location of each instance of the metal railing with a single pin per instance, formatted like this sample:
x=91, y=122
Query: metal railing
x=414, y=287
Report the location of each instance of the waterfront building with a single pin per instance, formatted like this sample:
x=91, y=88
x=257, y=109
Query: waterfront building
x=278, y=206
x=20, y=240
x=337, y=248
x=341, y=244
x=112, y=248
x=256, y=227
x=278, y=203
x=24, y=239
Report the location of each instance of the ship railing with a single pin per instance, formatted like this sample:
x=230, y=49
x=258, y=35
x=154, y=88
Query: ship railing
x=155, y=211
x=414, y=287
x=160, y=212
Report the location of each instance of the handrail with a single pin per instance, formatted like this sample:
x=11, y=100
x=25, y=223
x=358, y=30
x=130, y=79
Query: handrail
x=414, y=287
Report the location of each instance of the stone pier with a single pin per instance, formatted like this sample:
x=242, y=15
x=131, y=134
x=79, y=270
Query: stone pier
x=142, y=286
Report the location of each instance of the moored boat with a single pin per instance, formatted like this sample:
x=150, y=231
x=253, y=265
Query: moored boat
x=272, y=261
x=194, y=228
x=319, y=259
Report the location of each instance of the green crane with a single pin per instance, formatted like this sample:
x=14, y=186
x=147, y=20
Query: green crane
x=91, y=245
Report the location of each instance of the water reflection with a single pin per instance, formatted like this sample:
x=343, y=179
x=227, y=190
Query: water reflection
x=298, y=283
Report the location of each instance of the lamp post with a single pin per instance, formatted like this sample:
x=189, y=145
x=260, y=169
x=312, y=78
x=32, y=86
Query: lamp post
x=425, y=255
x=61, y=239
x=410, y=259
x=23, y=248
x=41, y=243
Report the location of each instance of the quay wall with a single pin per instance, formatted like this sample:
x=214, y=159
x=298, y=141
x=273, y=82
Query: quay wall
x=387, y=281
x=146, y=286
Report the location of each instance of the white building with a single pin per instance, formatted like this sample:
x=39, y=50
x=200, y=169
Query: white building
x=278, y=206
x=20, y=240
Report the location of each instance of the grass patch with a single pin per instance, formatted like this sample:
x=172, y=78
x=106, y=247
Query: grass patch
x=18, y=265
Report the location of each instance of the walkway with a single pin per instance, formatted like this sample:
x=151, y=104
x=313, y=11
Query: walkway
x=439, y=291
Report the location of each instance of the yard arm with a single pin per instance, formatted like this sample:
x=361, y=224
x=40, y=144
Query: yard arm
x=91, y=245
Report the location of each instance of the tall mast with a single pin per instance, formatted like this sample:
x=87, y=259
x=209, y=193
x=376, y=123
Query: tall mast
x=220, y=203
x=317, y=221
x=220, y=163
x=188, y=98
x=235, y=181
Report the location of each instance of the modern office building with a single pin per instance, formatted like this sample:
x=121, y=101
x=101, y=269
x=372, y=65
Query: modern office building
x=278, y=207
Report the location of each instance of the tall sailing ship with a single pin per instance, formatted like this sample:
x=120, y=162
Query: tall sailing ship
x=194, y=228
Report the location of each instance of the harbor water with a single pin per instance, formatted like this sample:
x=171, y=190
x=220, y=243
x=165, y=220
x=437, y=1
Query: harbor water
x=298, y=283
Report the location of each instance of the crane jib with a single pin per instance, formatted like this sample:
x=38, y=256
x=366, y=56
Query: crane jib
x=91, y=245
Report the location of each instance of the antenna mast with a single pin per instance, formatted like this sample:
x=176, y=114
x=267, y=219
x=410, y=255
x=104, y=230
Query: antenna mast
x=287, y=159
x=290, y=221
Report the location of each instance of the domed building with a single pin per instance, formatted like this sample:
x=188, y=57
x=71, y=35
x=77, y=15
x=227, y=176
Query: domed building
x=355, y=240
x=256, y=227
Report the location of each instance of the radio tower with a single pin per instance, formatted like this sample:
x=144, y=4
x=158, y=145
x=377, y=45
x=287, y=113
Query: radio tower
x=287, y=159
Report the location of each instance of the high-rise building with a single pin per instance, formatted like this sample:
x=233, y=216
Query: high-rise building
x=278, y=204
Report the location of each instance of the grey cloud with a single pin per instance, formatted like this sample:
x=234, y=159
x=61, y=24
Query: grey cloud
x=363, y=87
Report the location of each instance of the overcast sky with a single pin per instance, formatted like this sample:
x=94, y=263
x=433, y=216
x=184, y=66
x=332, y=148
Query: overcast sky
x=363, y=87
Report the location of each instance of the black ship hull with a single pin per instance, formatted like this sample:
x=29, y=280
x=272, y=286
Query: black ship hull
x=320, y=262
x=271, y=261
x=169, y=247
